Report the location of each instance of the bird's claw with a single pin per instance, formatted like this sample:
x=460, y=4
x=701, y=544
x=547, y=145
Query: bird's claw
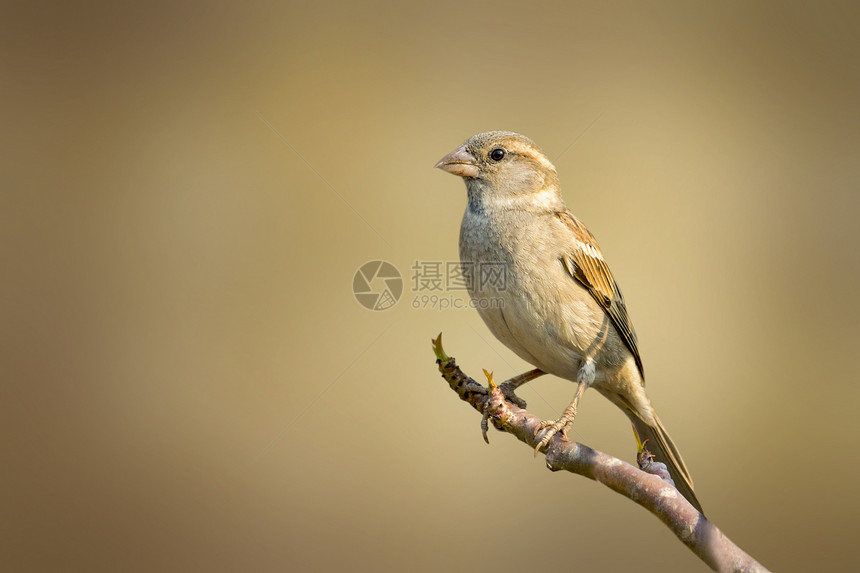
x=552, y=428
x=485, y=418
x=509, y=392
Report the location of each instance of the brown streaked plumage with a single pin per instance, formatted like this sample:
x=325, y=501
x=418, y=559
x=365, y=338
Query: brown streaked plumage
x=562, y=309
x=586, y=265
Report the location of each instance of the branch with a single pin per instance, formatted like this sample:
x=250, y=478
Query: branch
x=647, y=489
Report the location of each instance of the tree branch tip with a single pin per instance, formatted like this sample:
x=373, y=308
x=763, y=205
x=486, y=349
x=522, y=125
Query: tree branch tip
x=441, y=357
x=691, y=527
x=490, y=382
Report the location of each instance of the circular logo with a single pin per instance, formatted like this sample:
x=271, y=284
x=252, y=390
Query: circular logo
x=377, y=285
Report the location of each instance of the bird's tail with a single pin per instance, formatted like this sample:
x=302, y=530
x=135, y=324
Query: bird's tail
x=664, y=450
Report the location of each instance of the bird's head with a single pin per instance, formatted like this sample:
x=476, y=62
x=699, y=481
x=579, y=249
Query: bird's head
x=501, y=163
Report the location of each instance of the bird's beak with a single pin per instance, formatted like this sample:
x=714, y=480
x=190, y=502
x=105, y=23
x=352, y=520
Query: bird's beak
x=459, y=162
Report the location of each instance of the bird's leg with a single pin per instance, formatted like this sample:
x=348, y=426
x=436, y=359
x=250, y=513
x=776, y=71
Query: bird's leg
x=562, y=423
x=509, y=387
x=585, y=376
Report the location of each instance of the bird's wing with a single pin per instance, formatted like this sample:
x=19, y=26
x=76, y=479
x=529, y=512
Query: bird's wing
x=585, y=264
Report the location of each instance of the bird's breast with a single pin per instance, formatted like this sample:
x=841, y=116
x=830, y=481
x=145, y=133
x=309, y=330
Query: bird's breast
x=526, y=297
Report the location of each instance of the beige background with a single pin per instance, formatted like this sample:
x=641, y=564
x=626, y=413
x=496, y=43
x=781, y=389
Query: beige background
x=189, y=385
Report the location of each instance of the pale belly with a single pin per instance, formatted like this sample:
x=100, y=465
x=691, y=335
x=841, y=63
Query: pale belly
x=540, y=312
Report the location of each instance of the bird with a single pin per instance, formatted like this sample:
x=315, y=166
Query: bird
x=541, y=284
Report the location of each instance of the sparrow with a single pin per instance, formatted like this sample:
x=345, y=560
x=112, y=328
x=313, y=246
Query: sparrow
x=558, y=306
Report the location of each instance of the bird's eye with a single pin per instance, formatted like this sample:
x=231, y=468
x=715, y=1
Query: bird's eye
x=497, y=154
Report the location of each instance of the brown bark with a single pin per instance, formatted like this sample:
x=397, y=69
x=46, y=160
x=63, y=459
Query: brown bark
x=647, y=489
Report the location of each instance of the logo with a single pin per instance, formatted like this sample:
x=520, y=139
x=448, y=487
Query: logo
x=377, y=285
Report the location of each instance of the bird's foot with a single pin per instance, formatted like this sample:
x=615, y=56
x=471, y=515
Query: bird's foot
x=509, y=387
x=560, y=425
x=552, y=428
x=485, y=418
x=509, y=391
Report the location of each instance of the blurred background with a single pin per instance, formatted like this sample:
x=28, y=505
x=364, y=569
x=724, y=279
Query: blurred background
x=187, y=190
